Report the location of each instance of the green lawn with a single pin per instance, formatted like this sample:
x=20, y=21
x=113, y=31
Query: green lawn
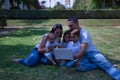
x=105, y=34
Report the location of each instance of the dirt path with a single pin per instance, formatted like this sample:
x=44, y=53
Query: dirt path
x=5, y=31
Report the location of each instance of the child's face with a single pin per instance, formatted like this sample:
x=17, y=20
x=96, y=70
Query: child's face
x=67, y=38
x=74, y=38
x=52, y=39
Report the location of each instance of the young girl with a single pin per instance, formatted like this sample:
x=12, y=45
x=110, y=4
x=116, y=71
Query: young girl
x=66, y=39
x=63, y=44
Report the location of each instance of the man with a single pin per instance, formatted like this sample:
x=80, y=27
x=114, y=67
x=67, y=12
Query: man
x=89, y=50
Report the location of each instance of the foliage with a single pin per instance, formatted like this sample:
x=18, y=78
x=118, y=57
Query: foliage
x=43, y=4
x=76, y=4
x=61, y=14
x=29, y=3
x=59, y=6
x=3, y=21
x=82, y=5
x=94, y=4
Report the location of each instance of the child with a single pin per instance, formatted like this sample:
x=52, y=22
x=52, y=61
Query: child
x=66, y=39
x=63, y=44
x=51, y=42
x=74, y=44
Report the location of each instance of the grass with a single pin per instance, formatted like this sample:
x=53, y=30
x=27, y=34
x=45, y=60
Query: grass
x=105, y=34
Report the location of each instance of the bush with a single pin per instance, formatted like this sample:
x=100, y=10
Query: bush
x=15, y=7
x=61, y=14
x=3, y=21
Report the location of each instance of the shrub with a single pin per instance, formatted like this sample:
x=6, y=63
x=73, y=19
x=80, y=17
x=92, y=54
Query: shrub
x=3, y=21
x=61, y=14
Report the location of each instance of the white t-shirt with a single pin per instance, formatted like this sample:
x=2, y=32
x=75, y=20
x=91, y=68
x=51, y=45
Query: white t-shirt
x=74, y=46
x=86, y=38
x=51, y=44
x=38, y=44
x=63, y=44
x=48, y=44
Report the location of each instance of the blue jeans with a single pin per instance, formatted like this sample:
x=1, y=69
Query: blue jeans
x=86, y=65
x=98, y=59
x=32, y=60
x=45, y=59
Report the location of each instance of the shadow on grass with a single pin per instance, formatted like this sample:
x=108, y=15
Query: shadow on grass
x=15, y=51
x=18, y=48
x=27, y=32
x=8, y=68
x=8, y=52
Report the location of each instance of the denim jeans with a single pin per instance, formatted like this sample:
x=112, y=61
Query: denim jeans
x=98, y=59
x=45, y=60
x=32, y=60
x=86, y=65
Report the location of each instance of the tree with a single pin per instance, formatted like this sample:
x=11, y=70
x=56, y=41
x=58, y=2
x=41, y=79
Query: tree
x=1, y=1
x=76, y=4
x=43, y=4
x=30, y=3
x=94, y=4
x=59, y=6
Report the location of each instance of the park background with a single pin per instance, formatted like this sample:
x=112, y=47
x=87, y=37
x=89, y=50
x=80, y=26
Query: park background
x=20, y=35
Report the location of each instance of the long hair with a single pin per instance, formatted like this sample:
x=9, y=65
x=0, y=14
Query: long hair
x=56, y=26
x=67, y=32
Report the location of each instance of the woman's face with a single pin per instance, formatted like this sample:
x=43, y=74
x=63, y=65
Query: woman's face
x=58, y=32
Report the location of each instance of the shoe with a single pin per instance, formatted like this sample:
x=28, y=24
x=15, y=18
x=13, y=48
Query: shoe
x=115, y=65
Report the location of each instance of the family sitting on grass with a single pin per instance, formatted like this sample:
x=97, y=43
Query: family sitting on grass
x=86, y=56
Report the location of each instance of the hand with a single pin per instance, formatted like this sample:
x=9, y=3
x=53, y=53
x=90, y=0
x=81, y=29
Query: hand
x=51, y=48
x=77, y=63
x=75, y=57
x=46, y=49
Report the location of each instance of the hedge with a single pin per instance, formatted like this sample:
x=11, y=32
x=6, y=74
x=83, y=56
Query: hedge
x=61, y=14
x=3, y=21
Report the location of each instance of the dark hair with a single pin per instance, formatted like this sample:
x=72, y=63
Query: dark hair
x=73, y=18
x=75, y=32
x=67, y=32
x=56, y=26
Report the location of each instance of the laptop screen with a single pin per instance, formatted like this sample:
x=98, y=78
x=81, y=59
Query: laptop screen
x=63, y=53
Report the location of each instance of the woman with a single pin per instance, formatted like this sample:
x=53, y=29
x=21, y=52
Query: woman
x=36, y=54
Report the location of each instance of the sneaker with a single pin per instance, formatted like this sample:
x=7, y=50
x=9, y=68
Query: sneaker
x=115, y=65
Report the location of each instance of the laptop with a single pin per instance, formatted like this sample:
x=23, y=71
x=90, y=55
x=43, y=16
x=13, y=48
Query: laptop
x=63, y=53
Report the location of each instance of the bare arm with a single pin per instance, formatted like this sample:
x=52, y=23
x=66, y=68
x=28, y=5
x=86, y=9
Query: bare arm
x=82, y=51
x=42, y=48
